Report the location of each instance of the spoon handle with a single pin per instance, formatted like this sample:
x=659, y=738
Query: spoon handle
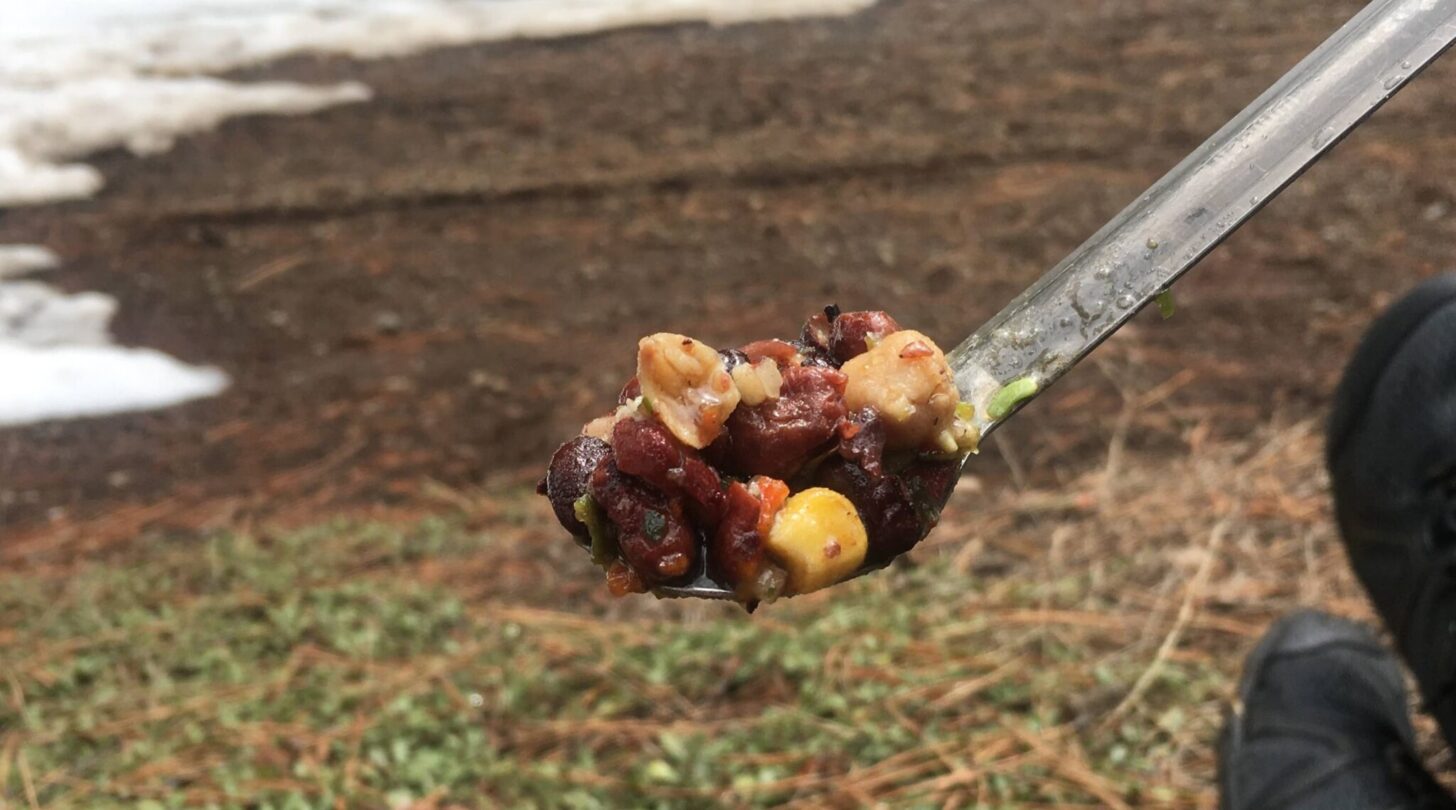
x=1090, y=294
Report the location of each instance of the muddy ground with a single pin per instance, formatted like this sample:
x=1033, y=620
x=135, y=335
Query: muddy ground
x=421, y=295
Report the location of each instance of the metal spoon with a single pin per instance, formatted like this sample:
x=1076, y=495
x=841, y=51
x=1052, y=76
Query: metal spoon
x=1079, y=303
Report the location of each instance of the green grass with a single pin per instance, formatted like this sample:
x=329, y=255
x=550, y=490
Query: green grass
x=367, y=666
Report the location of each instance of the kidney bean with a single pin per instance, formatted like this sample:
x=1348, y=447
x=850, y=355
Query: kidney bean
x=850, y=329
x=732, y=358
x=932, y=482
x=862, y=441
x=567, y=478
x=630, y=391
x=647, y=450
x=898, y=509
x=653, y=533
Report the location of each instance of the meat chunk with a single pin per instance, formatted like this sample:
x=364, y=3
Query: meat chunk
x=776, y=437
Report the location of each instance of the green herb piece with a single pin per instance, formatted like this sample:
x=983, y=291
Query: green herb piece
x=603, y=543
x=1011, y=395
x=1166, y=304
x=654, y=525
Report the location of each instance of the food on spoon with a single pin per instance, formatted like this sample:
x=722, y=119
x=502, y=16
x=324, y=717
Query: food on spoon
x=906, y=380
x=687, y=386
x=774, y=469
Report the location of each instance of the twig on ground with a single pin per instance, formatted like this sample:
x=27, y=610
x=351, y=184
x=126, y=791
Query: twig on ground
x=1180, y=623
x=1073, y=770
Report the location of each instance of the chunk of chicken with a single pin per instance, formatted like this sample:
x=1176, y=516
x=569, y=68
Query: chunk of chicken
x=685, y=384
x=907, y=381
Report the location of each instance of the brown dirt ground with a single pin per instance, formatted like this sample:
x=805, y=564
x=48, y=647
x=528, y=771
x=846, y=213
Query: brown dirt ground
x=436, y=287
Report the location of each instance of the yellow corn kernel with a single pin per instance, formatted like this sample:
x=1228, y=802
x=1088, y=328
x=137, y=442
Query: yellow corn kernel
x=818, y=538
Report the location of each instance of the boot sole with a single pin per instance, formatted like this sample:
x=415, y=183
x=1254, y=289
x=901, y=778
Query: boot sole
x=1272, y=642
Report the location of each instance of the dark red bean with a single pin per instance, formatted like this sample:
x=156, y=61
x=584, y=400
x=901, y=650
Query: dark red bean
x=566, y=479
x=932, y=483
x=810, y=355
x=899, y=509
x=644, y=448
x=736, y=552
x=653, y=532
x=719, y=454
x=630, y=391
x=851, y=328
x=776, y=437
x=862, y=441
x=818, y=329
x=732, y=358
x=647, y=450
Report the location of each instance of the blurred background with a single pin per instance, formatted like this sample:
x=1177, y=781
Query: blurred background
x=297, y=296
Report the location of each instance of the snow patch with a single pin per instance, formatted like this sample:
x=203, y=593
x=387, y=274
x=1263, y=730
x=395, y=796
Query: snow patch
x=185, y=36
x=39, y=126
x=19, y=260
x=63, y=382
x=57, y=360
x=35, y=314
x=78, y=76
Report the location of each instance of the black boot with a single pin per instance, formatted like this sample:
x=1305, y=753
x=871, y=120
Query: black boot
x=1392, y=459
x=1321, y=725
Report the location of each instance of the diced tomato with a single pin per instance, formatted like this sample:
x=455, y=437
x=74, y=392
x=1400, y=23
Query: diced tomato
x=622, y=580
x=771, y=493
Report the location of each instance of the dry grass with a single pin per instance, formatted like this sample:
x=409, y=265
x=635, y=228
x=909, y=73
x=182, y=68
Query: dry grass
x=1067, y=647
